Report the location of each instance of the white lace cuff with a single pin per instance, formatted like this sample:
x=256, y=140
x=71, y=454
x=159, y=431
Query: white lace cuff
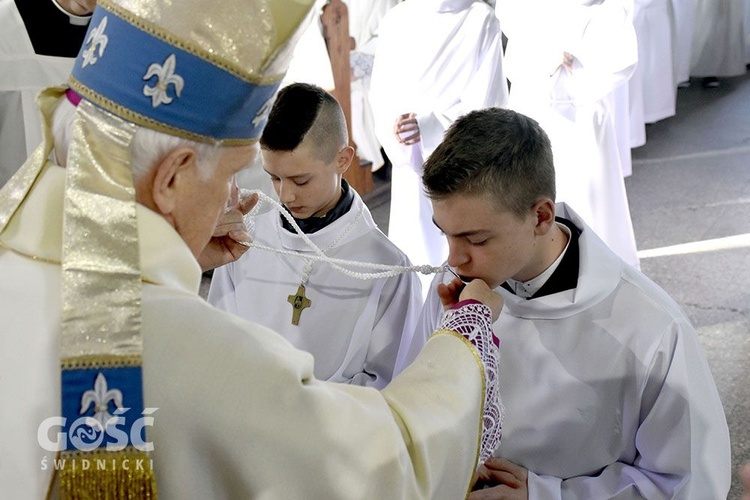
x=474, y=321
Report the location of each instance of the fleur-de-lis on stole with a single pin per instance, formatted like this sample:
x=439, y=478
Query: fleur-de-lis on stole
x=96, y=40
x=165, y=76
x=100, y=397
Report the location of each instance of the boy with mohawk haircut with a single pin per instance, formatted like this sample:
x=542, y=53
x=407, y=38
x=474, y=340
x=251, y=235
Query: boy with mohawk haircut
x=352, y=327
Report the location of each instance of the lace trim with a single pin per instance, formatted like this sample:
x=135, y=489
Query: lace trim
x=474, y=322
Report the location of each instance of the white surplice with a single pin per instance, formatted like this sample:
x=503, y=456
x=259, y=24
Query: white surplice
x=440, y=60
x=606, y=388
x=353, y=327
x=719, y=38
x=240, y=413
x=22, y=75
x=576, y=106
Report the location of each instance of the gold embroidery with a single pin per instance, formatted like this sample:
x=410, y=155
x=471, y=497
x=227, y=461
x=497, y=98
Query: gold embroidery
x=100, y=361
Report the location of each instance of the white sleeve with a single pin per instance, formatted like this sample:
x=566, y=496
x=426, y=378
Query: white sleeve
x=398, y=306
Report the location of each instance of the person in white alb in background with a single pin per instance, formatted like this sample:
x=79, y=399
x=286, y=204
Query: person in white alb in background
x=352, y=327
x=364, y=21
x=564, y=60
x=718, y=48
x=435, y=60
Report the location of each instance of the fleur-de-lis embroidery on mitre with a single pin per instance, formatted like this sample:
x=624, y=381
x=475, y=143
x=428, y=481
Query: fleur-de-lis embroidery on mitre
x=263, y=111
x=100, y=397
x=96, y=40
x=165, y=76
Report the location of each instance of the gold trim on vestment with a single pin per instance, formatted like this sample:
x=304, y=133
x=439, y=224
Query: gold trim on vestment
x=101, y=274
x=101, y=361
x=37, y=258
x=105, y=473
x=478, y=359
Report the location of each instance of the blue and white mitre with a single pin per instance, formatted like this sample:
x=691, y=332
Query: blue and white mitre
x=190, y=68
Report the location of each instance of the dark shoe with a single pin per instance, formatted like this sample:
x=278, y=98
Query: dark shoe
x=710, y=82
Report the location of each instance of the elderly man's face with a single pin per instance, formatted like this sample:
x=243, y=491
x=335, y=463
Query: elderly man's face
x=205, y=198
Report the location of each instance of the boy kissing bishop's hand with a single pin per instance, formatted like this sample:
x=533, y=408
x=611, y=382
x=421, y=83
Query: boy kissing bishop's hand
x=456, y=291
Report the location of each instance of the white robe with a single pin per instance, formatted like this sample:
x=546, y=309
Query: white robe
x=240, y=413
x=606, y=388
x=681, y=14
x=439, y=60
x=364, y=21
x=575, y=107
x=353, y=327
x=653, y=92
x=22, y=75
x=311, y=62
x=719, y=38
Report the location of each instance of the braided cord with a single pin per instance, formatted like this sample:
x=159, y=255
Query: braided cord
x=341, y=265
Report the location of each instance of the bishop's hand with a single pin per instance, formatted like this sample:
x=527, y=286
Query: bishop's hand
x=230, y=239
x=456, y=291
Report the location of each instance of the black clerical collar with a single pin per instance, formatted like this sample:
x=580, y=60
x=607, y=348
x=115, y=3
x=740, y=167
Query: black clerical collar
x=565, y=277
x=313, y=224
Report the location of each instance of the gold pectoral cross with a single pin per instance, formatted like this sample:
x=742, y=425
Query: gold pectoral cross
x=299, y=302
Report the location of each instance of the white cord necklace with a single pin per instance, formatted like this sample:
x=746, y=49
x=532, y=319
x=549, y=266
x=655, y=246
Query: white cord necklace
x=310, y=260
x=299, y=301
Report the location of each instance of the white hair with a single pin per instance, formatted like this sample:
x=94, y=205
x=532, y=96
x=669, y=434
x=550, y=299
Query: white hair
x=147, y=148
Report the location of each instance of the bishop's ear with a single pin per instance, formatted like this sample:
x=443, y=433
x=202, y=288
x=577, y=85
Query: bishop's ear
x=173, y=176
x=544, y=210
